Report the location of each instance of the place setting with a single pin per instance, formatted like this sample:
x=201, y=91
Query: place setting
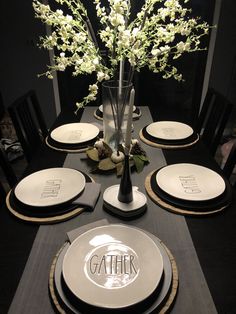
x=168, y=134
x=189, y=189
x=53, y=195
x=73, y=137
x=101, y=268
x=98, y=113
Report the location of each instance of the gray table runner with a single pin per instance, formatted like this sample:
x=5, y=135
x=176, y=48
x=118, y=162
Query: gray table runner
x=193, y=296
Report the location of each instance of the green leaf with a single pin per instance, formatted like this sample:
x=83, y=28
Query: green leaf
x=106, y=164
x=92, y=154
x=139, y=163
x=144, y=158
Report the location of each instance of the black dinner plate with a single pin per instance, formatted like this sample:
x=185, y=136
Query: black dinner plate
x=153, y=302
x=45, y=211
x=213, y=204
x=185, y=141
x=65, y=146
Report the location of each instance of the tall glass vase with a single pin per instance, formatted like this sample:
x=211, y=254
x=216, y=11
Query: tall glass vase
x=115, y=100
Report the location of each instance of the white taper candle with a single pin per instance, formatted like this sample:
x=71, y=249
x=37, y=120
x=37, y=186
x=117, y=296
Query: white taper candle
x=121, y=74
x=129, y=121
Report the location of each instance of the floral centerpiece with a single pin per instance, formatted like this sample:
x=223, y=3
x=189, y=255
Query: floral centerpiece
x=162, y=31
x=104, y=159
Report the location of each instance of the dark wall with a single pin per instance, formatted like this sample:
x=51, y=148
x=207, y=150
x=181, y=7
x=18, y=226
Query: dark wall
x=167, y=99
x=223, y=73
x=20, y=58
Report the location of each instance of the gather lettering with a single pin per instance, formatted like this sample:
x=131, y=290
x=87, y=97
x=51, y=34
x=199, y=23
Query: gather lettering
x=51, y=188
x=112, y=264
x=189, y=184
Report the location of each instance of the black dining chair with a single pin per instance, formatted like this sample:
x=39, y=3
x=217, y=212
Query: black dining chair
x=2, y=194
x=212, y=120
x=29, y=123
x=230, y=163
x=7, y=171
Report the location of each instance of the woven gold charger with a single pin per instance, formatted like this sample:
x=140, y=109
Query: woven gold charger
x=43, y=220
x=171, y=207
x=165, y=307
x=78, y=150
x=148, y=142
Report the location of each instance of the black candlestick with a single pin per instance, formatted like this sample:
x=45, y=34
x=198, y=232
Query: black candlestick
x=125, y=194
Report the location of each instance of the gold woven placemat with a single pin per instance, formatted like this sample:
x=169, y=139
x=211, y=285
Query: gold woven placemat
x=146, y=141
x=80, y=150
x=43, y=220
x=172, y=208
x=165, y=307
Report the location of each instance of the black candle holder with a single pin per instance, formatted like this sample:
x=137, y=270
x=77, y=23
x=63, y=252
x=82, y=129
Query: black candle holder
x=125, y=194
x=124, y=199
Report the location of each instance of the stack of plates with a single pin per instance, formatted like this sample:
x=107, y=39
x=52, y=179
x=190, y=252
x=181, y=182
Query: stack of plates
x=191, y=187
x=104, y=269
x=169, y=133
x=73, y=136
x=48, y=193
x=99, y=113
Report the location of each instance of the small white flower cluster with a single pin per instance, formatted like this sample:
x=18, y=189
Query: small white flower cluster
x=160, y=33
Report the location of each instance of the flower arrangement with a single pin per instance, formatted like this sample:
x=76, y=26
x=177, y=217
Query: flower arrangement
x=162, y=31
x=105, y=159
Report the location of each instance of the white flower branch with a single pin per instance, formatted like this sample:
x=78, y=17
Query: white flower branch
x=161, y=32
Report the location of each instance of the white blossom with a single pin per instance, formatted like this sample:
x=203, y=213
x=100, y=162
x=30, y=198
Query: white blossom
x=157, y=35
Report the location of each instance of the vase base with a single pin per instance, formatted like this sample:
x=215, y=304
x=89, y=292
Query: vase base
x=132, y=209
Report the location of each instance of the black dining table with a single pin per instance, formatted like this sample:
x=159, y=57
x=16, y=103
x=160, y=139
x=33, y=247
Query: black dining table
x=204, y=247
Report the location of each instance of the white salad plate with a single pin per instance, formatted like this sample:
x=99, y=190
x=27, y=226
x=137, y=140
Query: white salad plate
x=107, y=267
x=50, y=187
x=190, y=182
x=169, y=130
x=75, y=133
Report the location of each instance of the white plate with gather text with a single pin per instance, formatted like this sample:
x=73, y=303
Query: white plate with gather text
x=50, y=187
x=75, y=133
x=169, y=130
x=106, y=266
x=190, y=182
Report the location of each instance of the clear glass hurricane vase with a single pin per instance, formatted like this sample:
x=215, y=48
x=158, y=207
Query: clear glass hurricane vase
x=115, y=101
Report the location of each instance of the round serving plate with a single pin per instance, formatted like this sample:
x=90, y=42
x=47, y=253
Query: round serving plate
x=50, y=187
x=169, y=130
x=75, y=133
x=190, y=182
x=106, y=267
x=153, y=304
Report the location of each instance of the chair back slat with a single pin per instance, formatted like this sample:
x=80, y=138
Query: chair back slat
x=29, y=123
x=212, y=119
x=230, y=162
x=7, y=168
x=2, y=194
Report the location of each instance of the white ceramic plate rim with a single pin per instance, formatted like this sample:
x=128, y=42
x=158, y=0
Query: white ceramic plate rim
x=138, y=290
x=210, y=183
x=60, y=134
x=179, y=130
x=30, y=190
